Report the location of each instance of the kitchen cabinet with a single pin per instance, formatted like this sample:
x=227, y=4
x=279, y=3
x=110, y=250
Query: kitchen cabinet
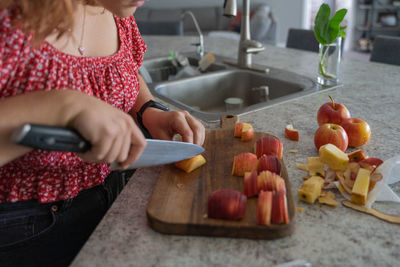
x=376, y=17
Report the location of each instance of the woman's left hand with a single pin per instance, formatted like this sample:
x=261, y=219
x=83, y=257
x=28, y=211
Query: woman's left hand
x=165, y=124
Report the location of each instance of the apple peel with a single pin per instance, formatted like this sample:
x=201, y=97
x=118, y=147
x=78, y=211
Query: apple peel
x=391, y=218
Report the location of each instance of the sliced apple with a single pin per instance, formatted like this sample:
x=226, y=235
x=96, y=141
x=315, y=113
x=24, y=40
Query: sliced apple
x=189, y=165
x=269, y=145
x=238, y=129
x=279, y=213
x=264, y=208
x=250, y=184
x=360, y=189
x=333, y=157
x=226, y=204
x=269, y=163
x=291, y=133
x=269, y=181
x=356, y=155
x=244, y=162
x=244, y=130
x=247, y=132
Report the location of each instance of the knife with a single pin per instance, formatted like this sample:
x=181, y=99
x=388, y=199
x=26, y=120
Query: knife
x=157, y=152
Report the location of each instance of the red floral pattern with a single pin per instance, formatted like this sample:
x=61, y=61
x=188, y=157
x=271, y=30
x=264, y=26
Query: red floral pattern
x=52, y=176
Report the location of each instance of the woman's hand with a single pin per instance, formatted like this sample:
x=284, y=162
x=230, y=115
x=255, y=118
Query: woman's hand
x=165, y=124
x=113, y=134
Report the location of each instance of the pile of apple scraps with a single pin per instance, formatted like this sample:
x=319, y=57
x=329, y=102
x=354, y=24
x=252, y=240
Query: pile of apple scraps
x=262, y=178
x=355, y=173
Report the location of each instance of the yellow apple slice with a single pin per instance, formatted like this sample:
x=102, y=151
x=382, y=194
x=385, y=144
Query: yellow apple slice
x=360, y=188
x=189, y=165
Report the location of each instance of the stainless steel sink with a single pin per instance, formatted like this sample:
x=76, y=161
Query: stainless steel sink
x=209, y=95
x=162, y=68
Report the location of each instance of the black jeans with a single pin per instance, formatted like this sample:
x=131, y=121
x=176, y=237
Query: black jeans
x=33, y=234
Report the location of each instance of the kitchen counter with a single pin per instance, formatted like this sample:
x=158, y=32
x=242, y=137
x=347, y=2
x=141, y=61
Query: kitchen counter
x=324, y=236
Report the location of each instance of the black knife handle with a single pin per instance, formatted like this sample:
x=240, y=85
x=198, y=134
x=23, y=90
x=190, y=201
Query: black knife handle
x=50, y=138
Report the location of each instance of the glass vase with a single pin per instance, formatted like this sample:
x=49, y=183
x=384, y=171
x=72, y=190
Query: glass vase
x=329, y=62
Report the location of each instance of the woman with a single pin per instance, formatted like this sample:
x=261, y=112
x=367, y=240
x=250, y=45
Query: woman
x=70, y=63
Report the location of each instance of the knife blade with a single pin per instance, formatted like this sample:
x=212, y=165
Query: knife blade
x=51, y=138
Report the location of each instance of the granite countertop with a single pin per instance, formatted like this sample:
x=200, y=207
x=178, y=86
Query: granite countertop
x=324, y=236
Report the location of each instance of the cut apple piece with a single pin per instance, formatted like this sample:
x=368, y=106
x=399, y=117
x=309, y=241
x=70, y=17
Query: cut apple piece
x=226, y=204
x=264, y=208
x=247, y=132
x=269, y=145
x=334, y=157
x=269, y=181
x=301, y=166
x=269, y=163
x=189, y=165
x=356, y=155
x=315, y=166
x=279, y=212
x=360, y=188
x=291, y=133
x=244, y=130
x=245, y=162
x=311, y=189
x=238, y=129
x=250, y=183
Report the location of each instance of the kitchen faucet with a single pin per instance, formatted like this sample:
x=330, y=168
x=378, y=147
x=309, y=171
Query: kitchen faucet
x=200, y=44
x=247, y=47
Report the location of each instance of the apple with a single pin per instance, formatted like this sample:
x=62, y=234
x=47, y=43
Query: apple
x=250, y=184
x=356, y=155
x=332, y=112
x=226, y=204
x=189, y=165
x=279, y=212
x=330, y=133
x=244, y=130
x=247, y=132
x=244, y=162
x=264, y=208
x=269, y=145
x=269, y=181
x=269, y=163
x=291, y=133
x=357, y=130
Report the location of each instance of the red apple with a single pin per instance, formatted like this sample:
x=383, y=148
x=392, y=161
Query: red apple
x=269, y=145
x=226, y=204
x=291, y=133
x=356, y=155
x=264, y=208
x=244, y=162
x=250, y=184
x=357, y=130
x=269, y=163
x=330, y=133
x=332, y=112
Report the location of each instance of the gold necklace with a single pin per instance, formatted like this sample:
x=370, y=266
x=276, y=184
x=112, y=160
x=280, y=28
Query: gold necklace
x=81, y=48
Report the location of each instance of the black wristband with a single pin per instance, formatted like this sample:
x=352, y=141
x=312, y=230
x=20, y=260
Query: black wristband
x=148, y=104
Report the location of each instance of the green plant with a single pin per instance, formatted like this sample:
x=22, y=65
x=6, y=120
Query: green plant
x=326, y=31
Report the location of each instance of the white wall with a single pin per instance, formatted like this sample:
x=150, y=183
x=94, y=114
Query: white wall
x=288, y=13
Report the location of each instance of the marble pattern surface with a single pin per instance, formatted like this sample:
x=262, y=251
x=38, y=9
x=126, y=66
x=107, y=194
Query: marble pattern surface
x=324, y=236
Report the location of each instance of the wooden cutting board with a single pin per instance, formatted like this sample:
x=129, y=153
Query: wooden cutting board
x=178, y=204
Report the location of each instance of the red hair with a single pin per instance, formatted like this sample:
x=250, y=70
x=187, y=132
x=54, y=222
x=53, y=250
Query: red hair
x=41, y=17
